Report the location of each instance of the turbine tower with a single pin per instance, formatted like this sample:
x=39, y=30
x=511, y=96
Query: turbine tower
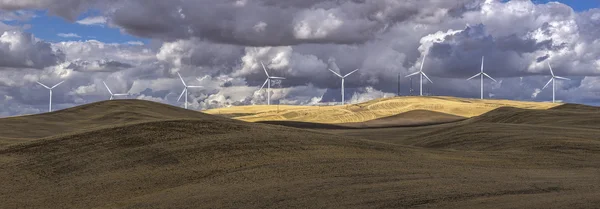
x=111, y=94
x=422, y=74
x=50, y=88
x=343, y=77
x=185, y=90
x=553, y=79
x=268, y=83
x=482, y=74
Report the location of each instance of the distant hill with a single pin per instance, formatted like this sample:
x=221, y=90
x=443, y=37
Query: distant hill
x=576, y=107
x=372, y=110
x=406, y=119
x=508, y=128
x=90, y=117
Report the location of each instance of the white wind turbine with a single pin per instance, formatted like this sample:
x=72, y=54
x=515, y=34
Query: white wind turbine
x=185, y=90
x=342, y=77
x=422, y=74
x=50, y=88
x=482, y=74
x=111, y=94
x=553, y=79
x=268, y=81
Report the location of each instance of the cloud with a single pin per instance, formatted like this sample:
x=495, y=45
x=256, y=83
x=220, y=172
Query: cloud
x=96, y=20
x=137, y=43
x=68, y=35
x=22, y=50
x=224, y=42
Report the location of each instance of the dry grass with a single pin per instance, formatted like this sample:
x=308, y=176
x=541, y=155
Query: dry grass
x=374, y=109
x=152, y=159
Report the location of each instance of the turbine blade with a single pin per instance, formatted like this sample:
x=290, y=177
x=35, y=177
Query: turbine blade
x=57, y=84
x=563, y=78
x=548, y=83
x=350, y=73
x=195, y=86
x=474, y=76
x=121, y=94
x=107, y=88
x=415, y=73
x=423, y=62
x=277, y=78
x=490, y=77
x=183, y=92
x=551, y=71
x=482, y=59
x=427, y=77
x=264, y=68
x=263, y=86
x=181, y=79
x=336, y=73
x=43, y=85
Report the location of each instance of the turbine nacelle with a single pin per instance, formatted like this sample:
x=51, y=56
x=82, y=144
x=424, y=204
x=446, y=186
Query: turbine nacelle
x=185, y=90
x=482, y=74
x=343, y=77
x=420, y=72
x=553, y=80
x=111, y=93
x=268, y=83
x=50, y=88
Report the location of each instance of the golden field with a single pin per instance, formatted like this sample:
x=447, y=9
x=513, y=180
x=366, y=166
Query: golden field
x=374, y=109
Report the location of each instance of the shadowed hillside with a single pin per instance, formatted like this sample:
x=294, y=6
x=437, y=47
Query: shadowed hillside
x=552, y=117
x=407, y=119
x=576, y=107
x=91, y=116
x=505, y=128
x=150, y=159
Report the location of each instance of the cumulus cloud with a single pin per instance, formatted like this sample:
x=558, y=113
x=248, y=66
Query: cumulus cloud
x=96, y=20
x=23, y=50
x=68, y=35
x=224, y=43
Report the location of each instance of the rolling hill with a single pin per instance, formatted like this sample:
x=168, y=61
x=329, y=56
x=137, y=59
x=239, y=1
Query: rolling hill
x=406, y=119
x=558, y=129
x=373, y=109
x=88, y=117
x=139, y=154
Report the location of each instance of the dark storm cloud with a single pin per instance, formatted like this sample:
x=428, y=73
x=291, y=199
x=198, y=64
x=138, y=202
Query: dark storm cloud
x=98, y=66
x=214, y=41
x=256, y=23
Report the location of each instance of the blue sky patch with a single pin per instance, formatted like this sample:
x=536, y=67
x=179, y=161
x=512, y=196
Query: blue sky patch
x=56, y=29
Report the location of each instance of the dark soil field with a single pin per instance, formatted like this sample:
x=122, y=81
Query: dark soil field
x=141, y=154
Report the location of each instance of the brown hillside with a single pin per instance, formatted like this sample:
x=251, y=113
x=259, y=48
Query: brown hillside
x=203, y=161
x=576, y=107
x=410, y=118
x=406, y=119
x=90, y=117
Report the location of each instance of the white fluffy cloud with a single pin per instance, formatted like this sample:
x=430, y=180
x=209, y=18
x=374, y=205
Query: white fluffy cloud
x=96, y=20
x=68, y=35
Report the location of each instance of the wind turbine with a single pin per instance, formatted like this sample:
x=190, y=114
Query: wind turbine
x=422, y=74
x=482, y=74
x=553, y=79
x=268, y=81
x=185, y=90
x=50, y=88
x=111, y=94
x=342, y=77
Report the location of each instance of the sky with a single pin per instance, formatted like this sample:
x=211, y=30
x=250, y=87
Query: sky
x=139, y=47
